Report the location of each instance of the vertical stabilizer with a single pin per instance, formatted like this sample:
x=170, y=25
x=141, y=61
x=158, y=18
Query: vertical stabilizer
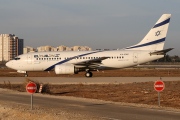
x=155, y=38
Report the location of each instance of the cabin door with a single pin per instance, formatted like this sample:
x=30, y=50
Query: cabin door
x=29, y=59
x=135, y=57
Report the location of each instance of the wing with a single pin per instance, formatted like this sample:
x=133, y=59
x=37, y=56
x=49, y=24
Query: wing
x=93, y=63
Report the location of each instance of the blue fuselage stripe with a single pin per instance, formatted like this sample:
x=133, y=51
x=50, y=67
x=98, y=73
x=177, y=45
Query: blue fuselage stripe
x=147, y=44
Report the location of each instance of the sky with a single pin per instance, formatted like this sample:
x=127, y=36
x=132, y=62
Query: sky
x=99, y=24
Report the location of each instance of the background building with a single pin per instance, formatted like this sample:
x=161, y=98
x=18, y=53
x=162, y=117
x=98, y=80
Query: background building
x=10, y=46
x=62, y=48
x=20, y=45
x=44, y=48
x=28, y=49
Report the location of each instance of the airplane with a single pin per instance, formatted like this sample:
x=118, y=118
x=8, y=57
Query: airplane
x=72, y=62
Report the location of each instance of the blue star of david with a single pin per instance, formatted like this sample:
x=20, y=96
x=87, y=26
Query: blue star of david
x=157, y=33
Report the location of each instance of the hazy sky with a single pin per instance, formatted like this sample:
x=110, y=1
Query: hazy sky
x=103, y=24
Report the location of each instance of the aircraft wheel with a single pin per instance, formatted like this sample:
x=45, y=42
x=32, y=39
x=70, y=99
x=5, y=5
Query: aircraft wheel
x=88, y=74
x=26, y=75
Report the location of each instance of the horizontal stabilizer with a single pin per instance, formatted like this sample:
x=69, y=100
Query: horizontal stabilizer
x=161, y=52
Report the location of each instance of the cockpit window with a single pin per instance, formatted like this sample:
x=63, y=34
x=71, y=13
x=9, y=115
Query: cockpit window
x=16, y=58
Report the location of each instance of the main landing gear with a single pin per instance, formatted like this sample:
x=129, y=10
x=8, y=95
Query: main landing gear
x=88, y=74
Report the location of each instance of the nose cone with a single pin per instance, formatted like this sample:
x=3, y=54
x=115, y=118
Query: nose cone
x=9, y=64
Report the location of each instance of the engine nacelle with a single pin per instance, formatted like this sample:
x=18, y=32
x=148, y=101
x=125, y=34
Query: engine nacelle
x=66, y=69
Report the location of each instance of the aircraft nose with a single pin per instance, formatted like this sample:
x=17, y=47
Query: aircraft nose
x=9, y=64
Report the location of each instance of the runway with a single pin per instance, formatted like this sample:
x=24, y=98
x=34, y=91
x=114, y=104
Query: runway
x=93, y=80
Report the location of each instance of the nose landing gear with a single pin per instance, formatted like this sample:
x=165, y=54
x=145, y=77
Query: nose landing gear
x=26, y=74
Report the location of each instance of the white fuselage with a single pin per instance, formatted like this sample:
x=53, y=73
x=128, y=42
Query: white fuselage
x=45, y=61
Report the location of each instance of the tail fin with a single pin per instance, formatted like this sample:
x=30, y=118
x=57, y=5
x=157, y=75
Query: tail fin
x=155, y=38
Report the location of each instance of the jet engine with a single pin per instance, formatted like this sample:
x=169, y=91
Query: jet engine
x=66, y=69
